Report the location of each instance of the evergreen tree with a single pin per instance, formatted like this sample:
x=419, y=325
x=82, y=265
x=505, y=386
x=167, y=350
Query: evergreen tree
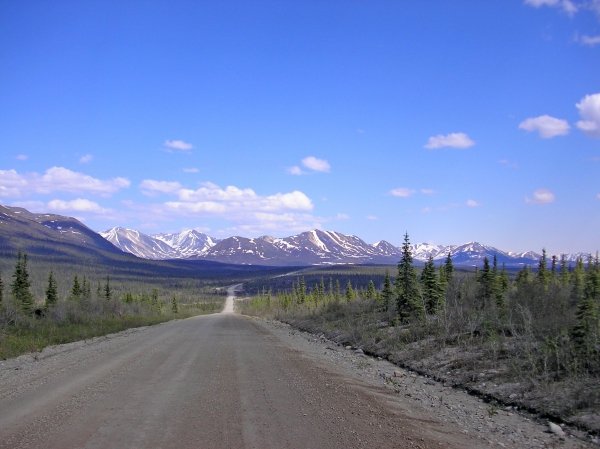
x=21, y=284
x=350, y=295
x=564, y=271
x=98, y=290
x=577, y=281
x=387, y=293
x=408, y=297
x=301, y=290
x=523, y=276
x=338, y=290
x=1, y=290
x=107, y=289
x=502, y=283
x=543, y=276
x=51, y=291
x=553, y=268
x=371, y=292
x=586, y=333
x=86, y=289
x=430, y=286
x=448, y=269
x=486, y=280
x=174, y=305
x=76, y=289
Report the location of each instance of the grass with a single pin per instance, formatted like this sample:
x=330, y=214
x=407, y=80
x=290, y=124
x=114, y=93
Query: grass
x=18, y=340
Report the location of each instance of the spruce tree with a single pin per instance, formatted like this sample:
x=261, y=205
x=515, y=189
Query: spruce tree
x=21, y=284
x=543, y=276
x=577, y=282
x=107, y=289
x=564, y=271
x=371, y=292
x=51, y=291
x=350, y=295
x=387, y=293
x=448, y=269
x=430, y=287
x=1, y=290
x=486, y=281
x=174, y=306
x=586, y=332
x=76, y=289
x=408, y=297
x=338, y=290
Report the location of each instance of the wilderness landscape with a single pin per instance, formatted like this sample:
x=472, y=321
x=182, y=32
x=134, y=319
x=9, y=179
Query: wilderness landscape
x=300, y=225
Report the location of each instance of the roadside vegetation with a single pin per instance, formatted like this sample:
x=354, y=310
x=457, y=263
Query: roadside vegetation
x=67, y=307
x=529, y=339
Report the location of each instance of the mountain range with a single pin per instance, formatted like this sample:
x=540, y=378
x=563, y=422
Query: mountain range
x=59, y=238
x=315, y=247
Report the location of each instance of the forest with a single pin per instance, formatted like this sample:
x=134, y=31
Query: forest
x=73, y=303
x=529, y=339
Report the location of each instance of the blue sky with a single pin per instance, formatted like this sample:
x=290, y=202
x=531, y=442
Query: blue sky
x=454, y=121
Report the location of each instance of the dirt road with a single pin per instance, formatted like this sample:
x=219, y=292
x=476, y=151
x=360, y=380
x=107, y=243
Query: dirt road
x=218, y=381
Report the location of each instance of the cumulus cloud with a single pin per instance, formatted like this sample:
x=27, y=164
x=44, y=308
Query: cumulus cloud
x=402, y=192
x=77, y=205
x=472, y=203
x=568, y=6
x=452, y=140
x=590, y=41
x=86, y=159
x=151, y=187
x=589, y=110
x=546, y=126
x=295, y=170
x=541, y=196
x=178, y=145
x=313, y=164
x=316, y=164
x=57, y=179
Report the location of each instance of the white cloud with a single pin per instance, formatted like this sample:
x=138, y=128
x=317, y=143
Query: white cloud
x=151, y=187
x=427, y=191
x=452, y=140
x=178, y=145
x=568, y=6
x=191, y=170
x=372, y=217
x=598, y=196
x=402, y=192
x=57, y=179
x=86, y=159
x=77, y=205
x=546, y=126
x=589, y=110
x=295, y=170
x=21, y=157
x=472, y=203
x=316, y=164
x=590, y=41
x=541, y=196
x=342, y=217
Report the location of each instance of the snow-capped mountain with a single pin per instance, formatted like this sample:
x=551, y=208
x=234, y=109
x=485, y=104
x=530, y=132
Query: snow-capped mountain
x=188, y=243
x=139, y=244
x=314, y=247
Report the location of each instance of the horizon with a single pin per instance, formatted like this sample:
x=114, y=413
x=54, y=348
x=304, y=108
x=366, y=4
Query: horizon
x=452, y=122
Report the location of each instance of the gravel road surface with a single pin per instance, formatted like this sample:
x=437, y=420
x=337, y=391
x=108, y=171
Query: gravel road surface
x=227, y=381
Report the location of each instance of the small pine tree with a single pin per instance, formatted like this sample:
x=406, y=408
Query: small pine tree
x=51, y=291
x=371, y=292
x=543, y=277
x=448, y=269
x=564, y=271
x=408, y=297
x=577, y=281
x=21, y=284
x=76, y=289
x=338, y=290
x=350, y=295
x=430, y=286
x=486, y=280
x=107, y=289
x=174, y=306
x=1, y=290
